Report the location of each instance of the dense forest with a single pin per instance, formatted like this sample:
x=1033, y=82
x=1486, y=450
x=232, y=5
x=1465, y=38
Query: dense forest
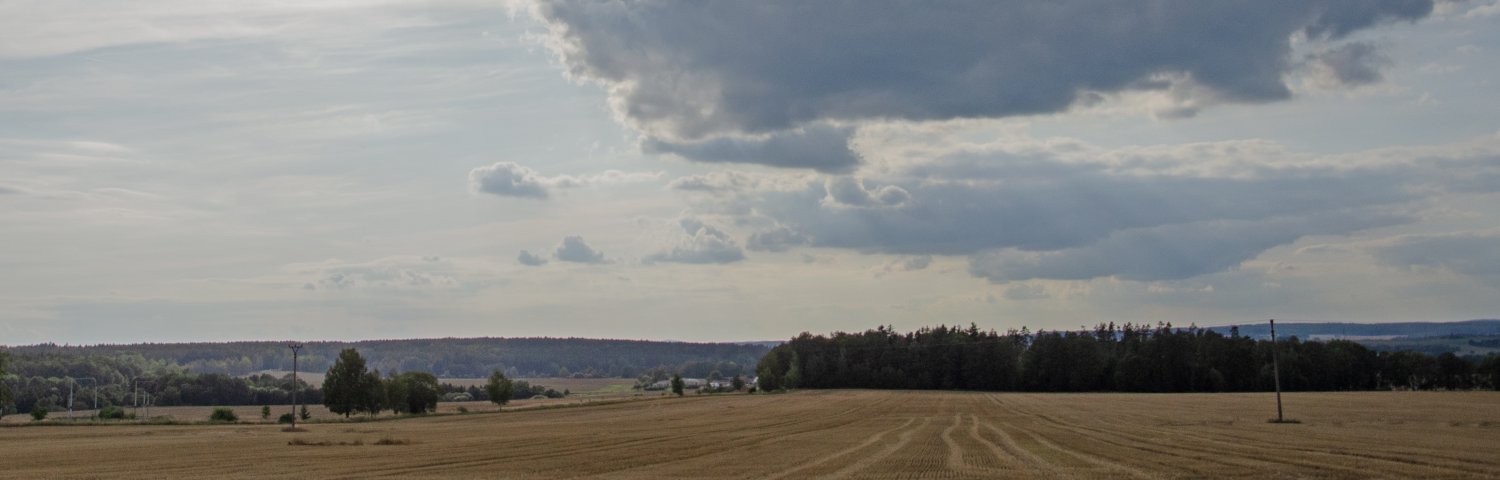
x=1132, y=358
x=445, y=357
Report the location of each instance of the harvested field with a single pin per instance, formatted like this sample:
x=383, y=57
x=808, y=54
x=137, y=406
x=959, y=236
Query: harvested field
x=827, y=434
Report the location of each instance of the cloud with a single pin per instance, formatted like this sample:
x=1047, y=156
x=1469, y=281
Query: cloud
x=684, y=70
x=509, y=179
x=1022, y=291
x=704, y=244
x=1476, y=254
x=851, y=192
x=908, y=264
x=1353, y=64
x=57, y=27
x=822, y=148
x=730, y=181
x=385, y=273
x=1169, y=252
x=778, y=239
x=573, y=249
x=531, y=260
x=1024, y=208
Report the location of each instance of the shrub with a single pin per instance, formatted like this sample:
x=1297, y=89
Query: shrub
x=38, y=414
x=304, y=414
x=285, y=418
x=265, y=412
x=222, y=414
x=112, y=413
x=463, y=409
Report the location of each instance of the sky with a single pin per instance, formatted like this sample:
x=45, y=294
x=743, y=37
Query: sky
x=719, y=171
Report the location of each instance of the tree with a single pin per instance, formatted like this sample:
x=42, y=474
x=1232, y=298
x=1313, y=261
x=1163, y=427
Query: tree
x=6, y=398
x=223, y=414
x=346, y=388
x=419, y=392
x=265, y=412
x=304, y=414
x=738, y=383
x=677, y=384
x=375, y=396
x=38, y=414
x=499, y=388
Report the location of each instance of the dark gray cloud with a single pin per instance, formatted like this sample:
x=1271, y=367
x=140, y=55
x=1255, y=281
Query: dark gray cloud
x=574, y=249
x=530, y=259
x=821, y=148
x=704, y=244
x=692, y=70
x=1357, y=63
x=1466, y=253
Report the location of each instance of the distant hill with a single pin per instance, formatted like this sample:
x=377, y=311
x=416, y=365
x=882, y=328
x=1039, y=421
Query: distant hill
x=1370, y=331
x=446, y=357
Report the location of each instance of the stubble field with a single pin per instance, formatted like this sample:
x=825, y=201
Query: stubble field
x=825, y=434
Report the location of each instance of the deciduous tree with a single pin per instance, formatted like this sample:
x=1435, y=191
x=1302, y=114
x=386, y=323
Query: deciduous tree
x=498, y=387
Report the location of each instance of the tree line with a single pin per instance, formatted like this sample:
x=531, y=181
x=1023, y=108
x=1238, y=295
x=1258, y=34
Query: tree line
x=445, y=357
x=1129, y=358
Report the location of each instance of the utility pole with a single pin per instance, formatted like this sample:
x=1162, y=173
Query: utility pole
x=296, y=348
x=1276, y=372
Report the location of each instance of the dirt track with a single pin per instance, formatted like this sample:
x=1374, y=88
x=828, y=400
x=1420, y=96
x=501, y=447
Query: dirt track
x=828, y=434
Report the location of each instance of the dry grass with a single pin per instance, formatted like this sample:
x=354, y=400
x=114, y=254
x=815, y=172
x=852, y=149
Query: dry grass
x=831, y=434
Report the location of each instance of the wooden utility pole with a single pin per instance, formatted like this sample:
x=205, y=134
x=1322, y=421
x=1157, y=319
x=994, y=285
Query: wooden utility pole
x=1276, y=372
x=297, y=347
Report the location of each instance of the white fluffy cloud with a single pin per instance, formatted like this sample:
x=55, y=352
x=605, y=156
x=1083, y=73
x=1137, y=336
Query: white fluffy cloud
x=684, y=72
x=509, y=179
x=704, y=244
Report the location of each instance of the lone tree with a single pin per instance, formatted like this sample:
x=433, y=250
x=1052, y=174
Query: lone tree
x=499, y=388
x=346, y=388
x=677, y=384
